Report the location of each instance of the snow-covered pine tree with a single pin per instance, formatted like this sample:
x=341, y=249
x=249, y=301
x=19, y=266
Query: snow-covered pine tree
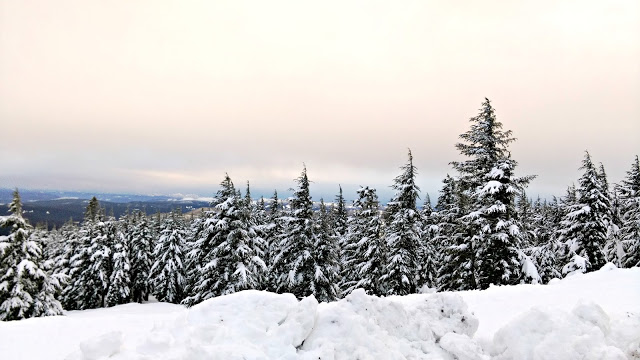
x=294, y=267
x=614, y=248
x=488, y=178
x=120, y=280
x=90, y=266
x=168, y=273
x=403, y=233
x=340, y=217
x=545, y=248
x=68, y=234
x=228, y=264
x=366, y=253
x=197, y=248
x=141, y=256
x=525, y=215
x=629, y=192
x=256, y=230
x=326, y=258
x=26, y=289
x=429, y=253
x=584, y=228
x=271, y=231
x=456, y=269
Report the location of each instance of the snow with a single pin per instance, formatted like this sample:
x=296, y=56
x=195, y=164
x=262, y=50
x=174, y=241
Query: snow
x=615, y=291
x=589, y=316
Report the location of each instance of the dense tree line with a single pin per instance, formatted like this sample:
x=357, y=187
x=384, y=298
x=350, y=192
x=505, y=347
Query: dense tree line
x=483, y=230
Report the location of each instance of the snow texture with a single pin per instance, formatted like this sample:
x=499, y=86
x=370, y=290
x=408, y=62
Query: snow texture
x=588, y=316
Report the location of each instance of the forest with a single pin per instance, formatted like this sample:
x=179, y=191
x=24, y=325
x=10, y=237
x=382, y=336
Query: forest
x=483, y=230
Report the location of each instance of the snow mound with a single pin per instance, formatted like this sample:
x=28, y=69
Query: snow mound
x=584, y=333
x=261, y=325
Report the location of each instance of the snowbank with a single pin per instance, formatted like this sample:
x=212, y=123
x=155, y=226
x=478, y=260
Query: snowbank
x=589, y=316
x=560, y=309
x=260, y=325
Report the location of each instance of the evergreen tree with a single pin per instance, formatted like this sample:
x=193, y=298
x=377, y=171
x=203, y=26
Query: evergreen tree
x=271, y=231
x=545, y=248
x=197, y=248
x=340, y=217
x=428, y=255
x=168, y=273
x=230, y=262
x=90, y=265
x=141, y=256
x=120, y=280
x=629, y=192
x=584, y=228
x=256, y=229
x=492, y=227
x=366, y=252
x=294, y=265
x=614, y=248
x=403, y=233
x=326, y=258
x=26, y=289
x=456, y=270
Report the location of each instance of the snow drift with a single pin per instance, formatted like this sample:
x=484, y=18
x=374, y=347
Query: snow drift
x=587, y=316
x=260, y=325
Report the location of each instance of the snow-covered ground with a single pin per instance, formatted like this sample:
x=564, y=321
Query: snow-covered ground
x=592, y=316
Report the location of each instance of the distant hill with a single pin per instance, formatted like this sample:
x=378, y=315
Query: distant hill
x=54, y=213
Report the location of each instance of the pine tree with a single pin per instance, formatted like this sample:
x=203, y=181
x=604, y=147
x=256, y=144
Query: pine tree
x=457, y=265
x=340, y=216
x=326, y=258
x=584, y=228
x=26, y=289
x=492, y=228
x=90, y=265
x=198, y=247
x=428, y=255
x=403, y=233
x=168, y=273
x=293, y=265
x=629, y=192
x=271, y=231
x=366, y=250
x=545, y=248
x=256, y=229
x=141, y=256
x=120, y=280
x=228, y=261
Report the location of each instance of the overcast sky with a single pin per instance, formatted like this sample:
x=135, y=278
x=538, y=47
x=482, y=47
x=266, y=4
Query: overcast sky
x=165, y=97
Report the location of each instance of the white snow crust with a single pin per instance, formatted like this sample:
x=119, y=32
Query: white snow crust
x=585, y=316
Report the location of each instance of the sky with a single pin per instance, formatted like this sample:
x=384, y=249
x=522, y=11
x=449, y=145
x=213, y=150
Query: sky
x=164, y=97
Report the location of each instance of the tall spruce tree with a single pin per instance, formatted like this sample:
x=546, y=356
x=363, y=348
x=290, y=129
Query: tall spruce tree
x=366, y=252
x=120, y=281
x=340, y=216
x=429, y=253
x=26, y=289
x=271, y=231
x=294, y=265
x=456, y=270
x=227, y=261
x=168, y=272
x=403, y=233
x=584, y=228
x=487, y=178
x=629, y=193
x=326, y=258
x=141, y=256
x=198, y=247
x=90, y=266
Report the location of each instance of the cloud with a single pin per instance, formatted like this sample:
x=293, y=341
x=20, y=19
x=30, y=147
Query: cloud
x=158, y=96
